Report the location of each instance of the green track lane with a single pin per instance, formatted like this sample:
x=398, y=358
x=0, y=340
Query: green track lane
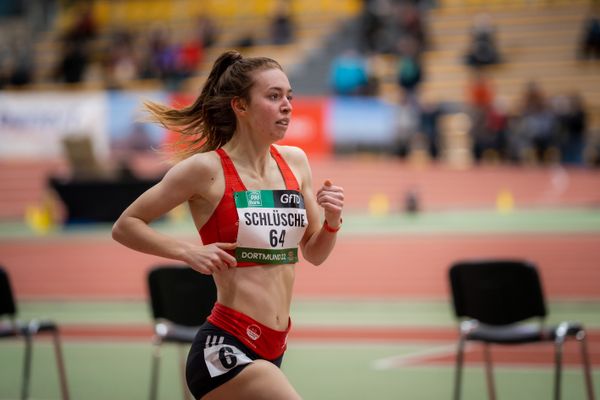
x=305, y=312
x=542, y=221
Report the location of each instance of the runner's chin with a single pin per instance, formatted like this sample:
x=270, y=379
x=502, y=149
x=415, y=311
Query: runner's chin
x=280, y=132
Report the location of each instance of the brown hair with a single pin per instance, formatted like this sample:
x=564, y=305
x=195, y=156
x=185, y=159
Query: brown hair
x=209, y=122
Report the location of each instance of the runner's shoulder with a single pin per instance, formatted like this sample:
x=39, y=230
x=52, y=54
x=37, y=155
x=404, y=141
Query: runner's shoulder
x=293, y=154
x=195, y=167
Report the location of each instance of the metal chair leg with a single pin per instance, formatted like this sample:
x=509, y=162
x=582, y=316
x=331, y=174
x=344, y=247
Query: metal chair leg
x=26, y=366
x=155, y=370
x=458, y=367
x=489, y=373
x=61, y=366
x=558, y=366
x=184, y=388
x=587, y=370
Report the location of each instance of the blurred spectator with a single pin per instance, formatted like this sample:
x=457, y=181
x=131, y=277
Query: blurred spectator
x=245, y=40
x=120, y=63
x=572, y=126
x=75, y=46
x=191, y=53
x=206, y=31
x=72, y=66
x=483, y=49
x=488, y=131
x=590, y=41
x=480, y=92
x=16, y=57
x=85, y=27
x=4, y=65
x=282, y=26
x=349, y=74
x=371, y=26
x=488, y=119
x=21, y=71
x=406, y=124
x=166, y=58
x=409, y=23
x=536, y=128
x=410, y=70
x=429, y=126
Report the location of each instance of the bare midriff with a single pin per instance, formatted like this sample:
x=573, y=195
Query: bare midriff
x=263, y=293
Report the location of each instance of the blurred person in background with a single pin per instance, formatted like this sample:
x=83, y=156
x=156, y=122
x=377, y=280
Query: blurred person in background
x=489, y=119
x=282, y=24
x=410, y=71
x=75, y=58
x=483, y=48
x=22, y=71
x=431, y=112
x=206, y=31
x=589, y=47
x=120, y=64
x=229, y=160
x=371, y=26
x=5, y=65
x=349, y=75
x=536, y=127
x=406, y=128
x=16, y=60
x=572, y=125
x=74, y=62
x=408, y=23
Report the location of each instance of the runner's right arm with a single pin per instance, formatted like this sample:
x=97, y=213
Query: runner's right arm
x=181, y=183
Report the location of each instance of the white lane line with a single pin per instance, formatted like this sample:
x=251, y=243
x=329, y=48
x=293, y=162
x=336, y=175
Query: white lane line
x=412, y=358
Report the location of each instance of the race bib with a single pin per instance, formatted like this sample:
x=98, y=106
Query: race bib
x=271, y=224
x=221, y=358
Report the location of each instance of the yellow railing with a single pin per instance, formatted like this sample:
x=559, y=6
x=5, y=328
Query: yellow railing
x=492, y=3
x=109, y=12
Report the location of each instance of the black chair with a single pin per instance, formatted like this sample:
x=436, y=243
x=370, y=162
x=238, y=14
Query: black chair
x=502, y=302
x=181, y=299
x=11, y=327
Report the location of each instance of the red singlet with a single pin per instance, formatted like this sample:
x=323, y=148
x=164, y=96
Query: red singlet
x=222, y=226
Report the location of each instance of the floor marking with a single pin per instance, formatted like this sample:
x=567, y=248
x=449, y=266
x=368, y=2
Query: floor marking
x=412, y=358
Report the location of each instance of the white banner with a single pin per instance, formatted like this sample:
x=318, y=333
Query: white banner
x=34, y=124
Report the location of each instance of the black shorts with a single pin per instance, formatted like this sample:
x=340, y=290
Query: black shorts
x=216, y=357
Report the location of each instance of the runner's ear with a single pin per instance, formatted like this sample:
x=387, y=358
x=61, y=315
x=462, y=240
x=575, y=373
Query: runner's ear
x=238, y=104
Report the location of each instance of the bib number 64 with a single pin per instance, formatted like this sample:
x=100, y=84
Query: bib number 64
x=276, y=238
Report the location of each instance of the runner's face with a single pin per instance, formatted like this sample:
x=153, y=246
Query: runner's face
x=270, y=107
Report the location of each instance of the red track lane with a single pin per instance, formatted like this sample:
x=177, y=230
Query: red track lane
x=361, y=266
x=416, y=266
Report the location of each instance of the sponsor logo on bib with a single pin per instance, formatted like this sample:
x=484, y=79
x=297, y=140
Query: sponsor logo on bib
x=290, y=198
x=254, y=198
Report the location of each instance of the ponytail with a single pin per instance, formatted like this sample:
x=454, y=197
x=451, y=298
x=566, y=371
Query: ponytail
x=209, y=122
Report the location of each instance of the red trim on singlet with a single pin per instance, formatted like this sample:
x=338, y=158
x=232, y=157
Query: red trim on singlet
x=222, y=226
x=264, y=341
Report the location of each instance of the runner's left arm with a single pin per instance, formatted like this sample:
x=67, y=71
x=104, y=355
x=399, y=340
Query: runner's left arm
x=318, y=241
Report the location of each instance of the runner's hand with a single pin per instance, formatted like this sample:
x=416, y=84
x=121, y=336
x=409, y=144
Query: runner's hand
x=331, y=198
x=211, y=258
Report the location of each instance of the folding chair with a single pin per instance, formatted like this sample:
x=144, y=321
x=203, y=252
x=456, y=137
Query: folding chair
x=502, y=302
x=181, y=299
x=11, y=327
